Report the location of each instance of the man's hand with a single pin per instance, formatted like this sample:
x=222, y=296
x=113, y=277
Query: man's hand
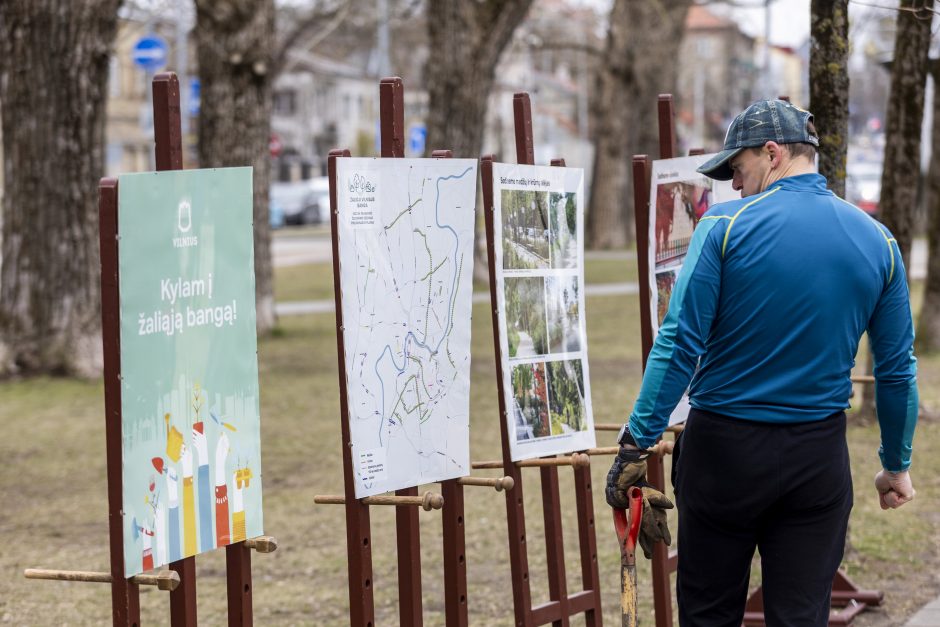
x=629, y=469
x=894, y=488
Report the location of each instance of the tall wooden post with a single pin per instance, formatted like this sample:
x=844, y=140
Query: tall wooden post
x=515, y=509
x=662, y=567
x=168, y=151
x=392, y=126
x=587, y=539
x=454, y=538
x=125, y=597
x=358, y=534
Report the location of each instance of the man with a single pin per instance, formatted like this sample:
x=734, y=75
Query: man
x=774, y=295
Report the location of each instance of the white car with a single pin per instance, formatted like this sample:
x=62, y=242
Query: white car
x=302, y=202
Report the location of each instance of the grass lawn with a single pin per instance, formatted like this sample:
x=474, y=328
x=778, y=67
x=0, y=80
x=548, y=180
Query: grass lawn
x=54, y=512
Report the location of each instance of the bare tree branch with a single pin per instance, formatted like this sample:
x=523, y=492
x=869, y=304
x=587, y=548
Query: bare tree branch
x=571, y=45
x=918, y=12
x=307, y=28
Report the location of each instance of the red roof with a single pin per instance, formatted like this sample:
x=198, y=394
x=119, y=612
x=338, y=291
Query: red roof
x=700, y=18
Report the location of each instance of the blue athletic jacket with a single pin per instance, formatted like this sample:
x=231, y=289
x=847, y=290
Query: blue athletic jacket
x=774, y=295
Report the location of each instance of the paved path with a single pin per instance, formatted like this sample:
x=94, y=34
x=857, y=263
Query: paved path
x=326, y=306
x=292, y=250
x=526, y=346
x=297, y=250
x=928, y=616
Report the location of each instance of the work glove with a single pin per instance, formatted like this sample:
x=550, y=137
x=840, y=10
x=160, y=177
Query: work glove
x=628, y=470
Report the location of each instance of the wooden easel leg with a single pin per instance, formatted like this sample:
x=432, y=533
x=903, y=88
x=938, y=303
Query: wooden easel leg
x=238, y=576
x=455, y=563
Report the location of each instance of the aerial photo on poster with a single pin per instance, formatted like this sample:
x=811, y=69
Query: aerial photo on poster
x=405, y=230
x=189, y=371
x=679, y=197
x=539, y=219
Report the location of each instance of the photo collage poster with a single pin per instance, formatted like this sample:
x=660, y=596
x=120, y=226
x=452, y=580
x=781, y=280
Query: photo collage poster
x=679, y=197
x=405, y=230
x=539, y=229
x=191, y=427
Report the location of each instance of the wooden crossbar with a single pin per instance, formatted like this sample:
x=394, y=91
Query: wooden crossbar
x=164, y=580
x=427, y=502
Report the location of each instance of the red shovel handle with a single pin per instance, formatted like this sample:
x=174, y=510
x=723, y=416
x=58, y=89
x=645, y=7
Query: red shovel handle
x=628, y=537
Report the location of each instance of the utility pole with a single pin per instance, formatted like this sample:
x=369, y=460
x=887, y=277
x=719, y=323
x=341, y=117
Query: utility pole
x=182, y=64
x=384, y=62
x=766, y=80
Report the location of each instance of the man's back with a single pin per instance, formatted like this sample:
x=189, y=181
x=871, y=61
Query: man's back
x=801, y=274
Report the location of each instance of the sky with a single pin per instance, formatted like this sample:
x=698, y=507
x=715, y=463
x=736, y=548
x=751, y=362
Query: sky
x=789, y=19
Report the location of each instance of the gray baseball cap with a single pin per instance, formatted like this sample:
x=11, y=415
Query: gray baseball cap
x=763, y=121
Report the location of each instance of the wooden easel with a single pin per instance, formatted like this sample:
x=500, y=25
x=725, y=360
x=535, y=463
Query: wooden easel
x=406, y=500
x=561, y=605
x=181, y=579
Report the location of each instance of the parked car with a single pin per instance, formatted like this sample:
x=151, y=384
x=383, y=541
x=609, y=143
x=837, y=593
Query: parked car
x=301, y=202
x=863, y=185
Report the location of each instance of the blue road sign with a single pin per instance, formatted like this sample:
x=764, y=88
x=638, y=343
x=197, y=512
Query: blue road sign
x=150, y=53
x=195, y=91
x=417, y=136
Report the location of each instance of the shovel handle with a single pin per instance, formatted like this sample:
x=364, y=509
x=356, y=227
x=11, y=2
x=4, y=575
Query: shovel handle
x=627, y=533
x=629, y=530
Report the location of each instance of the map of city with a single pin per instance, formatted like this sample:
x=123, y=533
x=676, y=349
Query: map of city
x=406, y=257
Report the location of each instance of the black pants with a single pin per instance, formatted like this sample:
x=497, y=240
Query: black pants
x=785, y=490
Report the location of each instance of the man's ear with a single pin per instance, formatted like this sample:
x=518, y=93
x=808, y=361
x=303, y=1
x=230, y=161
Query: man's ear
x=775, y=152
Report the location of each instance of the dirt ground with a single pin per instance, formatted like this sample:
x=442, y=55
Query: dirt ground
x=54, y=510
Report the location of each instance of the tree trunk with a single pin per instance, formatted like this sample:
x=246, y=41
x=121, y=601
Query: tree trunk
x=466, y=41
x=640, y=62
x=902, y=138
x=829, y=101
x=53, y=86
x=235, y=47
x=928, y=326
x=904, y=119
x=829, y=86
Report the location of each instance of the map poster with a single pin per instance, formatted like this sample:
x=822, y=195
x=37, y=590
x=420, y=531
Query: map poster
x=405, y=229
x=539, y=235
x=189, y=370
x=679, y=197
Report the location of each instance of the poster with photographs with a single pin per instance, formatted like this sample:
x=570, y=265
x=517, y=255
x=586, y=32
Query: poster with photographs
x=679, y=197
x=539, y=230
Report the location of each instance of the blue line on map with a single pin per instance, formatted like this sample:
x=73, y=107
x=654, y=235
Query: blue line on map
x=410, y=335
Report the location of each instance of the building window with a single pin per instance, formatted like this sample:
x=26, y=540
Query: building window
x=285, y=102
x=705, y=48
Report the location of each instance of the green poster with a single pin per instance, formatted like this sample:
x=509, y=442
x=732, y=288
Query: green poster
x=191, y=423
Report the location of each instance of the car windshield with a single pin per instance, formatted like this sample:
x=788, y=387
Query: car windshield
x=288, y=194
